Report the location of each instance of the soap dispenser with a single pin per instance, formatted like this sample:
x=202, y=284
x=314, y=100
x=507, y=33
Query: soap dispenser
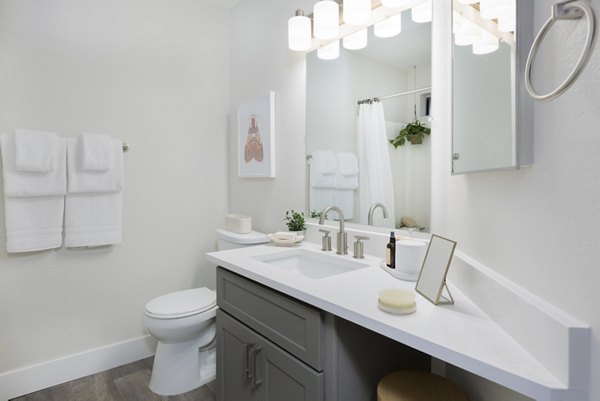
x=390, y=252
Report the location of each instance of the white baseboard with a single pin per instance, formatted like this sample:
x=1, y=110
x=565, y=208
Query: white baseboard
x=50, y=373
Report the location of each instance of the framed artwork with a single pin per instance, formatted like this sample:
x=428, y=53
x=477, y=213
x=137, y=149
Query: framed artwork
x=256, y=137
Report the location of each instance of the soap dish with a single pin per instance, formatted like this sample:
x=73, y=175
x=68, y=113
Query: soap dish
x=397, y=301
x=284, y=238
x=398, y=274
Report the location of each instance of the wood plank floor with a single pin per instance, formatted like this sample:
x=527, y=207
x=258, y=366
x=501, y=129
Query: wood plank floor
x=124, y=383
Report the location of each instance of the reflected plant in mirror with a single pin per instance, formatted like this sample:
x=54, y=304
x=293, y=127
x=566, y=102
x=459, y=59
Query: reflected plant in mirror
x=356, y=104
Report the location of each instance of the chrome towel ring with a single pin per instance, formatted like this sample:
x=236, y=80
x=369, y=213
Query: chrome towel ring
x=564, y=10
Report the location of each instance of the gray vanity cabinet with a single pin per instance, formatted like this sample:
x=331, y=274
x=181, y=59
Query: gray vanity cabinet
x=271, y=347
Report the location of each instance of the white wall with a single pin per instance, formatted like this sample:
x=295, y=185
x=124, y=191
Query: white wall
x=537, y=226
x=156, y=74
x=260, y=62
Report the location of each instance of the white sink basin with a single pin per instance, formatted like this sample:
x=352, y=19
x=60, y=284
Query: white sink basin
x=310, y=263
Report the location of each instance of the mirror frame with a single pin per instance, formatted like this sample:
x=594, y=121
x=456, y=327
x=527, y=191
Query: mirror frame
x=522, y=107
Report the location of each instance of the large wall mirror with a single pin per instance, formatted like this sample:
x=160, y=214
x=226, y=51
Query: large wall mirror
x=367, y=170
x=492, y=114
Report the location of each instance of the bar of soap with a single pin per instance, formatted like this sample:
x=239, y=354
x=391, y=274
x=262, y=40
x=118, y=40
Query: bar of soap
x=397, y=301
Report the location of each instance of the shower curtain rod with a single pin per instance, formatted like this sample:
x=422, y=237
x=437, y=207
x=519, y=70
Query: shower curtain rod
x=376, y=99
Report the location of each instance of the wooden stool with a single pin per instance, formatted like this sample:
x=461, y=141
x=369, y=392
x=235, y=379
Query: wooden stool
x=414, y=385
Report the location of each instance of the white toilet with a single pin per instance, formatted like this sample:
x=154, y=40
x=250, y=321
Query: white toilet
x=183, y=322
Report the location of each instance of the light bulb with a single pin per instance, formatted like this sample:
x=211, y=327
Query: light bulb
x=326, y=17
x=507, y=20
x=487, y=43
x=356, y=41
x=357, y=12
x=467, y=34
x=456, y=21
x=422, y=12
x=468, y=1
x=393, y=3
x=299, y=35
x=491, y=9
x=388, y=27
x=330, y=51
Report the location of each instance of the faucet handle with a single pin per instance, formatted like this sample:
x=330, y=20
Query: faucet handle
x=359, y=247
x=326, y=240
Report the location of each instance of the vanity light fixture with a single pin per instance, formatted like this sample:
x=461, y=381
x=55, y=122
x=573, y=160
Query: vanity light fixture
x=388, y=27
x=467, y=33
x=492, y=9
x=299, y=32
x=356, y=40
x=487, y=43
x=356, y=12
x=507, y=20
x=422, y=12
x=326, y=18
x=330, y=51
x=393, y=3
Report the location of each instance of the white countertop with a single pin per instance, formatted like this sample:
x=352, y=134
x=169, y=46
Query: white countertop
x=459, y=334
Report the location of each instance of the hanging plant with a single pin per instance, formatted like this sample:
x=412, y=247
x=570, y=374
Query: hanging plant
x=413, y=132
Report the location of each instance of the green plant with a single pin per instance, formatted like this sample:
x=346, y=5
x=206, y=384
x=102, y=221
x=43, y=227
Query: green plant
x=314, y=214
x=294, y=220
x=413, y=132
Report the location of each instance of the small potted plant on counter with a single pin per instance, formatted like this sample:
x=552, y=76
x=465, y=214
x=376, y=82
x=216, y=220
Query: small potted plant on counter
x=295, y=221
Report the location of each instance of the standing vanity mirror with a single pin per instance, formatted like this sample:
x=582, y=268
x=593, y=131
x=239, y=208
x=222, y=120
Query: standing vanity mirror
x=492, y=114
x=396, y=70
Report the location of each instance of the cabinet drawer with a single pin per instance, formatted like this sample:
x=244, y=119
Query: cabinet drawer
x=294, y=326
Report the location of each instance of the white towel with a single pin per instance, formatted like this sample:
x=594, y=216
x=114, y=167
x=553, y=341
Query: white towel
x=17, y=183
x=93, y=219
x=36, y=151
x=320, y=198
x=323, y=169
x=96, y=152
x=82, y=181
x=346, y=176
x=344, y=199
x=33, y=223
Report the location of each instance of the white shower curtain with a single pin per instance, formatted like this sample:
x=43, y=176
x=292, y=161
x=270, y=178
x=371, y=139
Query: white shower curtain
x=375, y=176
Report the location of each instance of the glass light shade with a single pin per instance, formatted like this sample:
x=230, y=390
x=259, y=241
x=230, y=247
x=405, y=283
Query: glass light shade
x=357, y=12
x=393, y=3
x=355, y=41
x=330, y=51
x=326, y=18
x=491, y=9
x=388, y=27
x=422, y=12
x=467, y=34
x=456, y=21
x=299, y=34
x=487, y=43
x=507, y=21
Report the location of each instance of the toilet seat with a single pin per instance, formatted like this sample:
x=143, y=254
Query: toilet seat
x=181, y=304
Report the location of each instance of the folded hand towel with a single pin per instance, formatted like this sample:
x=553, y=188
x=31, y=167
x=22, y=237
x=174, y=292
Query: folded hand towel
x=17, y=183
x=86, y=181
x=36, y=151
x=346, y=176
x=322, y=169
x=33, y=223
x=93, y=219
x=96, y=152
x=347, y=163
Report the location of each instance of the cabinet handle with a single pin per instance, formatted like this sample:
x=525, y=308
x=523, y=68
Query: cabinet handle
x=254, y=355
x=248, y=347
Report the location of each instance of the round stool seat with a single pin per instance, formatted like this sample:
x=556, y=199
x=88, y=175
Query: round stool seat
x=413, y=385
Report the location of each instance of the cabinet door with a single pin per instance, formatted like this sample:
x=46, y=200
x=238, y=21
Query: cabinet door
x=234, y=345
x=250, y=368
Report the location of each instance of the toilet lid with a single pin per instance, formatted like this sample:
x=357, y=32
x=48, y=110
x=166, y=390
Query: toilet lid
x=181, y=303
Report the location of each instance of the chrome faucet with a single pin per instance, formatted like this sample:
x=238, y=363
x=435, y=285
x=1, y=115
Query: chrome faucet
x=372, y=209
x=342, y=237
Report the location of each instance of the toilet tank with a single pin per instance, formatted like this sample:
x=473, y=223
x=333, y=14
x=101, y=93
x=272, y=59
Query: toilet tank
x=230, y=240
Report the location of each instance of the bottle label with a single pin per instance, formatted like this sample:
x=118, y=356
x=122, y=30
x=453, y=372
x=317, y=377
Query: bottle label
x=388, y=257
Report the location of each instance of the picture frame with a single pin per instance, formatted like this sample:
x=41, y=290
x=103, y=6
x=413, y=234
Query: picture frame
x=432, y=278
x=256, y=137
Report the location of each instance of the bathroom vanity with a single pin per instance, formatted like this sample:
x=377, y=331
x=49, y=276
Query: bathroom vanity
x=274, y=347
x=318, y=336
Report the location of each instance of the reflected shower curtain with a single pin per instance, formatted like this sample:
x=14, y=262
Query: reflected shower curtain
x=375, y=175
